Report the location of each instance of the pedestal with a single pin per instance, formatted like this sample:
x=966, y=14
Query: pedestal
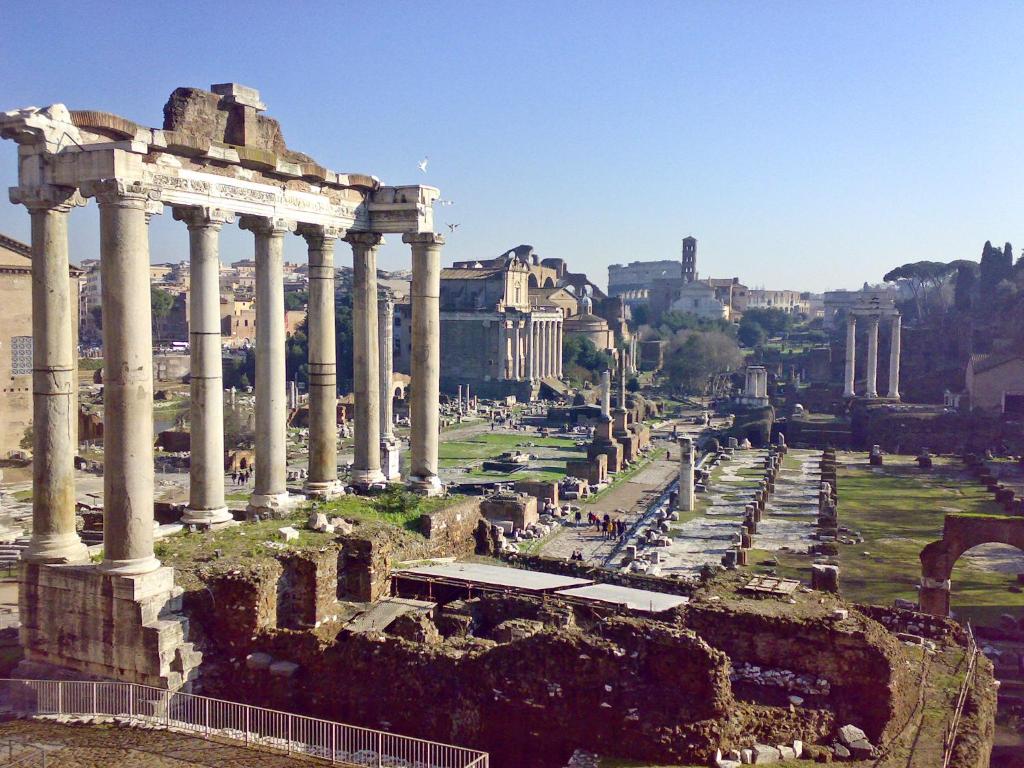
x=390, y=460
x=78, y=619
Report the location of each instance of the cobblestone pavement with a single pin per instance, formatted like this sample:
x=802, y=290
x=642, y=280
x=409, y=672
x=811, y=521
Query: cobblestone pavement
x=82, y=746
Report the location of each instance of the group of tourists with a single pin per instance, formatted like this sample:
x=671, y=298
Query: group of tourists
x=241, y=476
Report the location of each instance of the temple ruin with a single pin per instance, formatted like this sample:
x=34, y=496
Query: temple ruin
x=216, y=160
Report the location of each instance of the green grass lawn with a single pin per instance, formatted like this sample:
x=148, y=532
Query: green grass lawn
x=898, y=510
x=474, y=450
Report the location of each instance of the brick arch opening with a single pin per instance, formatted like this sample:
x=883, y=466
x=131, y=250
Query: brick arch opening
x=959, y=534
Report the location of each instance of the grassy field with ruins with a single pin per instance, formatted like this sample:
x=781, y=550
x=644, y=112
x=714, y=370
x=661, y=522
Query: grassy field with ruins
x=471, y=452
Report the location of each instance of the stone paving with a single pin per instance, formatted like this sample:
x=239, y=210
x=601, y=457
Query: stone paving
x=788, y=522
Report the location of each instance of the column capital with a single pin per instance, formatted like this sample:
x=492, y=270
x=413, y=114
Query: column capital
x=423, y=238
x=386, y=301
x=364, y=239
x=319, y=235
x=267, y=225
x=123, y=193
x=202, y=217
x=46, y=197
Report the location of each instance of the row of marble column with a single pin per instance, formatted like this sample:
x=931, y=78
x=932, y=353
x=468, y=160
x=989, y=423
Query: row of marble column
x=871, y=386
x=128, y=481
x=536, y=348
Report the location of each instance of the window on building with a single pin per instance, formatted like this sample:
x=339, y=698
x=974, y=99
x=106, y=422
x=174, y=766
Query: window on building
x=21, y=355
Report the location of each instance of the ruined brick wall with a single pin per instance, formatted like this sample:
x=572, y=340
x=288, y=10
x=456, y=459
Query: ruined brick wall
x=234, y=606
x=532, y=701
x=307, y=588
x=450, y=530
x=870, y=684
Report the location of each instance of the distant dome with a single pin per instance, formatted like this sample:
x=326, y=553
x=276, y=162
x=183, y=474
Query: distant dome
x=587, y=306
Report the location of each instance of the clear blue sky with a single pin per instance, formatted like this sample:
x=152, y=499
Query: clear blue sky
x=806, y=145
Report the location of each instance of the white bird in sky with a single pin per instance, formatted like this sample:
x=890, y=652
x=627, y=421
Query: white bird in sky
x=422, y=164
x=444, y=202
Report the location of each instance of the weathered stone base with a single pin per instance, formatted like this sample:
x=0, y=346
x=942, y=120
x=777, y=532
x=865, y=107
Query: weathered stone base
x=630, y=446
x=426, y=486
x=270, y=505
x=365, y=479
x=331, y=490
x=612, y=450
x=206, y=518
x=129, y=628
x=390, y=457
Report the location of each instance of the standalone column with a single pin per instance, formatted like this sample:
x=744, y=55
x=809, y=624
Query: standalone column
x=127, y=378
x=389, y=446
x=849, y=390
x=894, y=359
x=322, y=480
x=531, y=349
x=426, y=360
x=366, y=362
x=271, y=491
x=686, y=494
x=206, y=504
x=54, y=388
x=872, y=384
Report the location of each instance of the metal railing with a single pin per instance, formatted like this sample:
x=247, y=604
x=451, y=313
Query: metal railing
x=325, y=740
x=949, y=735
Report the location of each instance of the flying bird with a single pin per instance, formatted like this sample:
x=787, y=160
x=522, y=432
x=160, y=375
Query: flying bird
x=444, y=202
x=453, y=227
x=422, y=164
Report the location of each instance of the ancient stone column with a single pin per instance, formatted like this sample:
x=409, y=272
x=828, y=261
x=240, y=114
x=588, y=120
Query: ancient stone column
x=322, y=477
x=426, y=360
x=894, y=359
x=872, y=383
x=558, y=345
x=686, y=492
x=552, y=348
x=54, y=385
x=606, y=395
x=545, y=347
x=851, y=355
x=127, y=376
x=271, y=491
x=531, y=349
x=206, y=505
x=503, y=348
x=517, y=352
x=389, y=447
x=366, y=353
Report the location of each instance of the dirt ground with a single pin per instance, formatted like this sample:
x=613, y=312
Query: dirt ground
x=80, y=746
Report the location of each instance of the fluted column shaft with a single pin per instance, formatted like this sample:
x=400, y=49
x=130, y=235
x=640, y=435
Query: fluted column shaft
x=426, y=359
x=128, y=471
x=517, y=351
x=322, y=480
x=894, y=358
x=271, y=491
x=54, y=388
x=872, y=366
x=850, y=378
x=686, y=488
x=366, y=363
x=206, y=505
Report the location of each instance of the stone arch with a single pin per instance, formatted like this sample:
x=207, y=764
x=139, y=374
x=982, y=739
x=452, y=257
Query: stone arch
x=959, y=534
x=533, y=281
x=549, y=283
